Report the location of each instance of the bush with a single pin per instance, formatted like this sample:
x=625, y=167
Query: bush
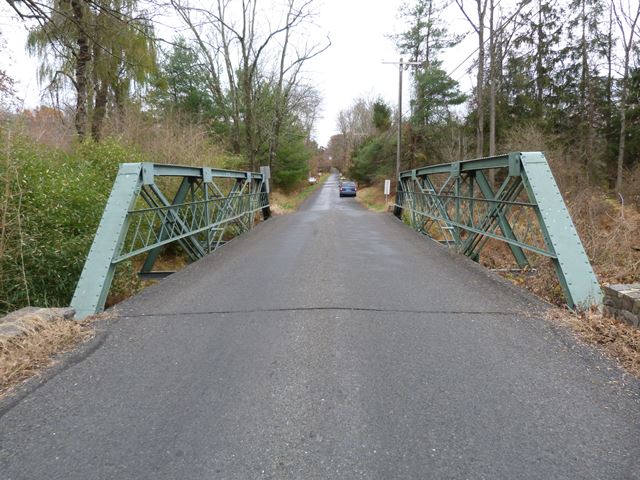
x=52, y=204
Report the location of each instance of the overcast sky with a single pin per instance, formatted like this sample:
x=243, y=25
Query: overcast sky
x=352, y=66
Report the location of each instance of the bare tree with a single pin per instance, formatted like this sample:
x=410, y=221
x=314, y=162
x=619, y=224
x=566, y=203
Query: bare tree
x=234, y=32
x=336, y=150
x=627, y=20
x=499, y=43
x=493, y=73
x=355, y=123
x=208, y=49
x=288, y=74
x=478, y=26
x=7, y=91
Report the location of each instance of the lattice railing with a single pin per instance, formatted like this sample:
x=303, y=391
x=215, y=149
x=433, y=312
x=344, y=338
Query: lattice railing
x=509, y=198
x=208, y=206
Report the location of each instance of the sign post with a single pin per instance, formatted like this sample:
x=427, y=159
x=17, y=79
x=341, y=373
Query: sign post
x=387, y=191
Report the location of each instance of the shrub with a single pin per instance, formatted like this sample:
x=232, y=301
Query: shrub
x=50, y=211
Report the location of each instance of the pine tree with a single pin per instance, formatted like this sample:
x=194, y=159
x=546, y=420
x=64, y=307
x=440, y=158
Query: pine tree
x=434, y=91
x=179, y=84
x=576, y=85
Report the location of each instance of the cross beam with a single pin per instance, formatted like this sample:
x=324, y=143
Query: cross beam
x=209, y=205
x=526, y=212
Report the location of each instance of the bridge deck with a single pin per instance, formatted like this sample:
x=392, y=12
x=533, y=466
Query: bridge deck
x=331, y=343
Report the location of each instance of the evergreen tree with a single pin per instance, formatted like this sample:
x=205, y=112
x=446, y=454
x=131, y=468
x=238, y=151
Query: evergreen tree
x=577, y=112
x=434, y=91
x=179, y=84
x=531, y=65
x=426, y=35
x=381, y=115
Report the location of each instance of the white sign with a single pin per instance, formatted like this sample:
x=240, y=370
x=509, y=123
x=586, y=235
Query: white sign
x=387, y=187
x=266, y=175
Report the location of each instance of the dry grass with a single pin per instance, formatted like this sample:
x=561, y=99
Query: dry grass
x=127, y=283
x=631, y=187
x=48, y=126
x=372, y=197
x=287, y=202
x=618, y=340
x=171, y=140
x=27, y=355
x=609, y=232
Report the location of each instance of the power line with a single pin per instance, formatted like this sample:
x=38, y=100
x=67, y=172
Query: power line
x=486, y=41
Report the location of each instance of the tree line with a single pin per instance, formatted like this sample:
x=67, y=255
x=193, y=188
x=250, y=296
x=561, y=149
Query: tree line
x=568, y=68
x=238, y=68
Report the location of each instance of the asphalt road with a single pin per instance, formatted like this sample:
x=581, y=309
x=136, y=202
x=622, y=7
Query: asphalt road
x=330, y=343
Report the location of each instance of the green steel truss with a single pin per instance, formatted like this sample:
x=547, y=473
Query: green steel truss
x=152, y=205
x=459, y=205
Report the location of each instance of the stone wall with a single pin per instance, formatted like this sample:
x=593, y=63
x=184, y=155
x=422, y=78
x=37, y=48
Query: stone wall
x=19, y=322
x=623, y=303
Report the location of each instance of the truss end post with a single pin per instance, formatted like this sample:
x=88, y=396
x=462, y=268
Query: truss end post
x=97, y=273
x=575, y=273
x=397, y=208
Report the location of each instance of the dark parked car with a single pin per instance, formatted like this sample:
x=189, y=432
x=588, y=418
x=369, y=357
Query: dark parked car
x=348, y=189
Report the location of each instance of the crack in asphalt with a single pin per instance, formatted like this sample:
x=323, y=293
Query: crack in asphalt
x=316, y=309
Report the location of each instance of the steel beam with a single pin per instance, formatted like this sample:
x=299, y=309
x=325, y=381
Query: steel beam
x=574, y=270
x=497, y=213
x=194, y=218
x=91, y=294
x=152, y=256
x=464, y=166
x=434, y=194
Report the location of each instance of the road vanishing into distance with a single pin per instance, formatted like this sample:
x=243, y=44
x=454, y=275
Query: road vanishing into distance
x=330, y=343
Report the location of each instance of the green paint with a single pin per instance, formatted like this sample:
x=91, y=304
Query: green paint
x=203, y=212
x=433, y=197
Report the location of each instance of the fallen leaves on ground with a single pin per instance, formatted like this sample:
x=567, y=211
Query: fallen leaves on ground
x=617, y=339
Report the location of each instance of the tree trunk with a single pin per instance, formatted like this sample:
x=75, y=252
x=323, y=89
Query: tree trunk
x=480, y=85
x=610, y=60
x=623, y=132
x=492, y=82
x=540, y=73
x=83, y=59
x=584, y=89
x=427, y=49
x=628, y=48
x=280, y=98
x=99, y=111
x=623, y=112
x=249, y=116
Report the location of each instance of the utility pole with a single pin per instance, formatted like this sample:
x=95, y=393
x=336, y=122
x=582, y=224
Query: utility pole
x=401, y=65
x=399, y=146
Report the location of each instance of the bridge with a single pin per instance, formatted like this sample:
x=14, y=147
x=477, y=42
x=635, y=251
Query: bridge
x=332, y=343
